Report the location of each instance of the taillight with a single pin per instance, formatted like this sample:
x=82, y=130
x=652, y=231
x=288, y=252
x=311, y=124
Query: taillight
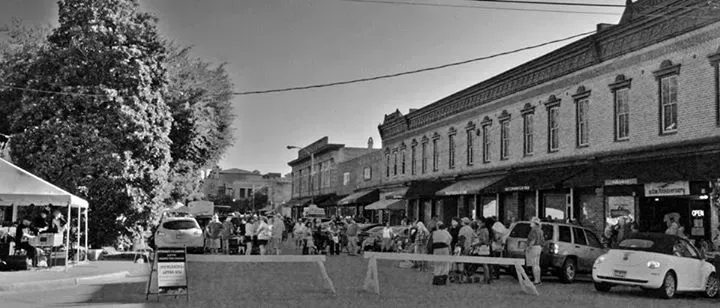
x=554, y=248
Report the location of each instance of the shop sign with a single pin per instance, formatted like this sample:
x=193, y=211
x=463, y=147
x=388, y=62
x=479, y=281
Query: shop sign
x=615, y=182
x=517, y=188
x=680, y=188
x=171, y=266
x=621, y=206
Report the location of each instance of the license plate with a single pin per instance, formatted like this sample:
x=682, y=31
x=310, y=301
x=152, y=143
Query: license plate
x=179, y=236
x=620, y=274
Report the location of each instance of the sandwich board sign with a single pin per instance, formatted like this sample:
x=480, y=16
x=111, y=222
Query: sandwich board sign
x=170, y=272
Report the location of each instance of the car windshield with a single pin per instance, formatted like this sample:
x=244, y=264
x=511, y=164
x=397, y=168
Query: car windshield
x=635, y=243
x=521, y=230
x=180, y=225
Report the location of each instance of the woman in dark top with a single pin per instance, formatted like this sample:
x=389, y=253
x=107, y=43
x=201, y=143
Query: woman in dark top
x=21, y=243
x=454, y=232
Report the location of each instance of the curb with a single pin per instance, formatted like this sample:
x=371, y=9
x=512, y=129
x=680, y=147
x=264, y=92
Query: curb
x=58, y=283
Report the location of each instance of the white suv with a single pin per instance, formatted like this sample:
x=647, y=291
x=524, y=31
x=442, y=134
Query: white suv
x=179, y=232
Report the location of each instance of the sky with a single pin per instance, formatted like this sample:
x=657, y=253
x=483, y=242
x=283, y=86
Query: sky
x=270, y=44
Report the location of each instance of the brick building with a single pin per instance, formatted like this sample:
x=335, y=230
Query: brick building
x=322, y=190
x=241, y=184
x=625, y=121
x=359, y=179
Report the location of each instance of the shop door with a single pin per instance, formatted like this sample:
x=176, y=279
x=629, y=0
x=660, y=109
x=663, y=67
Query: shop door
x=449, y=209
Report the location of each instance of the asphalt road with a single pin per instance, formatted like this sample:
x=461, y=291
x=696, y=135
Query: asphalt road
x=301, y=285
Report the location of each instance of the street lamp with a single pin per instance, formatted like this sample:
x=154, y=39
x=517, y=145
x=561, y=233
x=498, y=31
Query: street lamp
x=312, y=165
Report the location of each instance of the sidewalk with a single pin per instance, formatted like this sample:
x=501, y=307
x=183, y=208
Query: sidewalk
x=56, y=277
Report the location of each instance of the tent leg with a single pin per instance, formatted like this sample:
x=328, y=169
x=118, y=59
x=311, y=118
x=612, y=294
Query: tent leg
x=87, y=248
x=77, y=255
x=67, y=238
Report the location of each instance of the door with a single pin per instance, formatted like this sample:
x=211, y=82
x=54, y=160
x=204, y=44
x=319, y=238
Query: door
x=595, y=248
x=581, y=250
x=697, y=281
x=687, y=266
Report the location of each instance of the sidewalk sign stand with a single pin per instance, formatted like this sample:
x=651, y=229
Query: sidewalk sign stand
x=169, y=267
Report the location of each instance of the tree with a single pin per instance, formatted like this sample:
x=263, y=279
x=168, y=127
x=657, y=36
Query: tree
x=199, y=98
x=113, y=139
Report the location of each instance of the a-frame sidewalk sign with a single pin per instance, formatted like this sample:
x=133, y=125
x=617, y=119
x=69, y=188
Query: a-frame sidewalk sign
x=169, y=269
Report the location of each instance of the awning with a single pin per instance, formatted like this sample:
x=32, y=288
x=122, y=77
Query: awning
x=424, y=189
x=469, y=187
x=20, y=187
x=387, y=204
x=691, y=168
x=538, y=179
x=300, y=202
x=330, y=201
x=321, y=199
x=313, y=210
x=361, y=197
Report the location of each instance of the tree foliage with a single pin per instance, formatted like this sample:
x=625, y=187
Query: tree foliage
x=151, y=119
x=114, y=139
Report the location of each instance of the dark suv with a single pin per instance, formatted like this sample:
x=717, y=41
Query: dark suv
x=569, y=249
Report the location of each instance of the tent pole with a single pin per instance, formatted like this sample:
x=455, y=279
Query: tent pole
x=87, y=248
x=67, y=237
x=77, y=255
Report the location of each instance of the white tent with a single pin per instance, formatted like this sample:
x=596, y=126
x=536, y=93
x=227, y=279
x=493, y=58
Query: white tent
x=21, y=188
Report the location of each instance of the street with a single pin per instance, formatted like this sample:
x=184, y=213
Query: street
x=301, y=285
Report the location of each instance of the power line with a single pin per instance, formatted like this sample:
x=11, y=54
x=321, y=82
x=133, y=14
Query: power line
x=331, y=84
x=432, y=68
x=552, y=3
x=479, y=7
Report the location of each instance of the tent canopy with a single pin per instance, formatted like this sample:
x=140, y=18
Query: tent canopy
x=20, y=187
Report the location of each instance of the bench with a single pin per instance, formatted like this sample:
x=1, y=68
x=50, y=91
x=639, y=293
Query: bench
x=372, y=283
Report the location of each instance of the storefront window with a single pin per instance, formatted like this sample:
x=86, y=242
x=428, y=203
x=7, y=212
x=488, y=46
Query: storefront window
x=555, y=206
x=489, y=207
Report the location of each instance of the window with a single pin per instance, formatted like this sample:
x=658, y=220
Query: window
x=367, y=173
x=521, y=230
x=346, y=178
x=242, y=193
x=565, y=235
x=504, y=139
x=553, y=129
x=528, y=138
x=579, y=236
x=436, y=155
x=424, y=157
x=469, y=150
x=451, y=151
x=668, y=102
x=395, y=165
x=581, y=117
x=486, y=143
x=413, y=163
x=592, y=239
x=387, y=165
x=403, y=161
x=548, y=231
x=622, y=114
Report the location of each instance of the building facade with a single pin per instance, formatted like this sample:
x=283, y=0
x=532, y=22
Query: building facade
x=320, y=187
x=241, y=184
x=623, y=122
x=359, y=180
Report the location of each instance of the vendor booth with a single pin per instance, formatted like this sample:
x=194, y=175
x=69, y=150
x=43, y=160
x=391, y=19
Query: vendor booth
x=19, y=188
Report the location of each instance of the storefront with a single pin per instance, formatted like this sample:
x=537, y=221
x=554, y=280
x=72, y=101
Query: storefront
x=354, y=204
x=687, y=203
x=468, y=201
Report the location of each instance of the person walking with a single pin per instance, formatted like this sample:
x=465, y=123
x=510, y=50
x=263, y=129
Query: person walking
x=421, y=242
x=352, y=237
x=264, y=234
x=387, y=237
x=249, y=234
x=278, y=230
x=227, y=233
x=535, y=242
x=441, y=239
x=334, y=242
x=213, y=232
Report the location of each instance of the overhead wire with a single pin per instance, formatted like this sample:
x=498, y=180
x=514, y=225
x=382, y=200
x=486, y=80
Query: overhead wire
x=552, y=3
x=479, y=7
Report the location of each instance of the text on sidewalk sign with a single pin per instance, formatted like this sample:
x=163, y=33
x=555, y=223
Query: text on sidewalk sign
x=171, y=267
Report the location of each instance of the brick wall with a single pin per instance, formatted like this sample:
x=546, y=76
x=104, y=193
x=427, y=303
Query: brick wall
x=355, y=167
x=696, y=111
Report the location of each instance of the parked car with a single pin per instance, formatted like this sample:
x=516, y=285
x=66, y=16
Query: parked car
x=179, y=232
x=569, y=249
x=662, y=263
x=363, y=231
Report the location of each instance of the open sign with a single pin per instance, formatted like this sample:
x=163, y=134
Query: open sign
x=698, y=213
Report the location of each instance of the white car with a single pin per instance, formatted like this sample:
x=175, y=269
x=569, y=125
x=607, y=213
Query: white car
x=179, y=232
x=663, y=263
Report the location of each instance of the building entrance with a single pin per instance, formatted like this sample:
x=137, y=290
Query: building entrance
x=691, y=214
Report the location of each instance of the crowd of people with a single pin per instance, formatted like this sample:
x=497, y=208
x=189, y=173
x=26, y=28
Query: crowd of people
x=48, y=220
x=266, y=233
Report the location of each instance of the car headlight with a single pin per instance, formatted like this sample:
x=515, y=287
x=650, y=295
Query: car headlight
x=599, y=260
x=653, y=264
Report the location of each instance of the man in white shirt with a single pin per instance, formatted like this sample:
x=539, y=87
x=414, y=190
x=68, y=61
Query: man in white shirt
x=387, y=237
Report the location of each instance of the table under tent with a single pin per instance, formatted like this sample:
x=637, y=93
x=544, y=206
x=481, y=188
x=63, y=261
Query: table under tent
x=19, y=188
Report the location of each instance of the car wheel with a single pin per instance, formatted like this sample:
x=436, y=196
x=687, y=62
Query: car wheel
x=669, y=286
x=603, y=286
x=711, y=287
x=568, y=270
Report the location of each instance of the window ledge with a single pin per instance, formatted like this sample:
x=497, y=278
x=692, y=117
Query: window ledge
x=580, y=146
x=668, y=133
x=622, y=140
